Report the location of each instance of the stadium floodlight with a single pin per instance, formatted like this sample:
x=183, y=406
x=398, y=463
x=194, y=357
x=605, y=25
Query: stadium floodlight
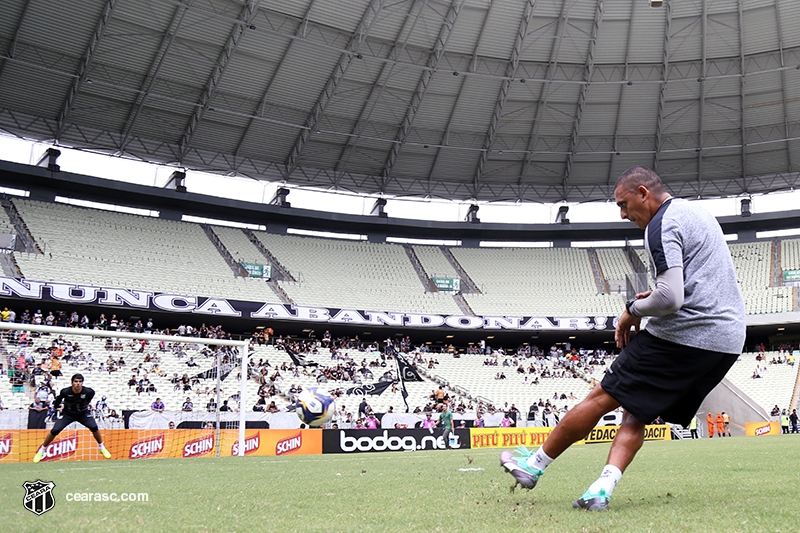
x=241, y=345
x=48, y=160
x=280, y=197
x=561, y=216
x=746, y=207
x=176, y=181
x=378, y=208
x=472, y=214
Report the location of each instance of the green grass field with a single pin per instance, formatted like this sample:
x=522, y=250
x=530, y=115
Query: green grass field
x=735, y=484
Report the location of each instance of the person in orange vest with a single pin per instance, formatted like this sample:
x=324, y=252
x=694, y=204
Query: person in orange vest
x=720, y=425
x=710, y=420
x=726, y=421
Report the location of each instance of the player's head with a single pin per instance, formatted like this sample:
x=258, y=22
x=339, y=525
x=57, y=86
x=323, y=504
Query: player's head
x=77, y=382
x=639, y=192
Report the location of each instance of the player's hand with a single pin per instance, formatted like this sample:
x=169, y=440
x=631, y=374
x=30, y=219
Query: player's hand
x=622, y=335
x=643, y=295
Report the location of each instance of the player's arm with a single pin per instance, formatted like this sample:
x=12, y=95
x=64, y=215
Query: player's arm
x=665, y=299
x=58, y=400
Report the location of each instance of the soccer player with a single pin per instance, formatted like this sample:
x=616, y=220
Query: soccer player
x=695, y=334
x=446, y=421
x=76, y=401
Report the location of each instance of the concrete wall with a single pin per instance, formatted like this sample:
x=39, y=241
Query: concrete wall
x=729, y=398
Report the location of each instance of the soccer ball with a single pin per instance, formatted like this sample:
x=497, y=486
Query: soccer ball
x=314, y=406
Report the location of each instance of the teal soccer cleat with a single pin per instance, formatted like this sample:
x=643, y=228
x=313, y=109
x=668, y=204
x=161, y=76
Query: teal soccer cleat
x=592, y=502
x=518, y=467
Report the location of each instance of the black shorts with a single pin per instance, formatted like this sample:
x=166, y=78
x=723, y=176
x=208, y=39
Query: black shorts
x=653, y=377
x=85, y=419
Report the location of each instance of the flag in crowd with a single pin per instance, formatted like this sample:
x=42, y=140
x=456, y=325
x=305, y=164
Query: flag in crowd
x=298, y=358
x=372, y=389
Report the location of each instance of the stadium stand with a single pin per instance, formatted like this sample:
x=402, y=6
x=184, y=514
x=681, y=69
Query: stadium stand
x=752, y=261
x=435, y=263
x=481, y=380
x=137, y=252
x=535, y=282
x=615, y=266
x=159, y=255
x=353, y=275
x=790, y=254
x=776, y=381
x=6, y=226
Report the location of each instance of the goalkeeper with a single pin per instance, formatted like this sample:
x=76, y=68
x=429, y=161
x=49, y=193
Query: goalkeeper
x=76, y=400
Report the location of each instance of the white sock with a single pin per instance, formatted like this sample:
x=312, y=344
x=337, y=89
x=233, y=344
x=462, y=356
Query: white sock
x=102, y=446
x=539, y=460
x=607, y=481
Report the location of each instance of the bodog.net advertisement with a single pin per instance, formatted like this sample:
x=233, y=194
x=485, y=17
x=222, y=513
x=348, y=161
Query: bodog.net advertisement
x=389, y=440
x=21, y=445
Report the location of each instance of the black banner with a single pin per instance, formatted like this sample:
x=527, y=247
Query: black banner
x=199, y=305
x=373, y=389
x=406, y=369
x=389, y=440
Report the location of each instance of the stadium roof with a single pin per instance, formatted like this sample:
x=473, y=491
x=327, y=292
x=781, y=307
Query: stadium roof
x=532, y=100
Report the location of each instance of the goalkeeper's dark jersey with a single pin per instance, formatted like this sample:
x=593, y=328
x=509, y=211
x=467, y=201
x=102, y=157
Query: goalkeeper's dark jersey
x=75, y=404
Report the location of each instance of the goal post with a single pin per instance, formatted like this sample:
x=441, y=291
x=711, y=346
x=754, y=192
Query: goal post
x=241, y=345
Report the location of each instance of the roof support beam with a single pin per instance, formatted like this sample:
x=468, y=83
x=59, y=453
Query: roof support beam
x=99, y=30
x=12, y=46
x=419, y=93
x=505, y=86
x=152, y=74
x=472, y=68
x=662, y=93
x=259, y=110
x=544, y=94
x=376, y=92
x=615, y=145
x=701, y=80
x=576, y=123
x=245, y=19
x=779, y=26
x=742, y=91
x=358, y=37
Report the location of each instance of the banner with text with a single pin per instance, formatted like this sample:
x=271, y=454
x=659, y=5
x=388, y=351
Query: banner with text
x=389, y=440
x=197, y=305
x=535, y=436
x=759, y=429
x=791, y=275
x=255, y=270
x=447, y=284
x=21, y=445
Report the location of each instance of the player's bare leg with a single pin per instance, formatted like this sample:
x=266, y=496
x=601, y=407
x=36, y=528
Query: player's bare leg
x=40, y=452
x=628, y=441
x=99, y=439
x=527, y=466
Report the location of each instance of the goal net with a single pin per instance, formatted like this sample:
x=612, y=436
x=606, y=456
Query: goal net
x=154, y=395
